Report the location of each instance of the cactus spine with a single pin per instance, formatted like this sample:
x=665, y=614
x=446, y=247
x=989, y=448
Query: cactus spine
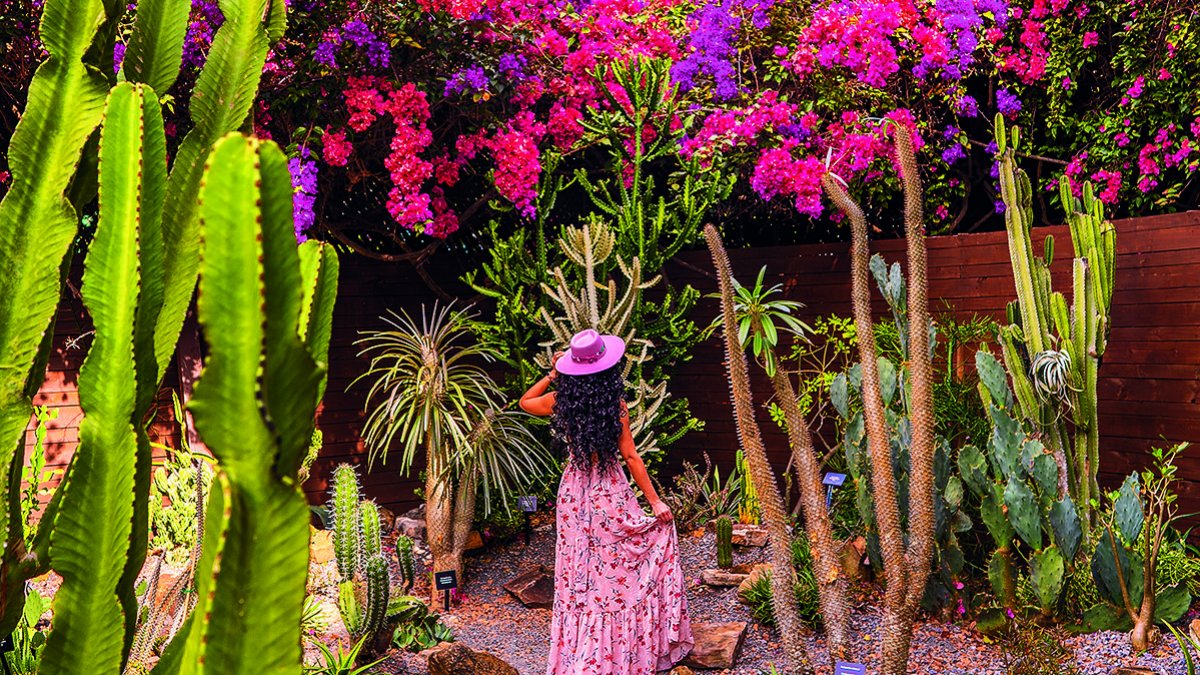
x=404, y=555
x=1052, y=351
x=724, y=542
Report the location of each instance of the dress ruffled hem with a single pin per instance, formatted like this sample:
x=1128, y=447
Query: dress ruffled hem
x=641, y=640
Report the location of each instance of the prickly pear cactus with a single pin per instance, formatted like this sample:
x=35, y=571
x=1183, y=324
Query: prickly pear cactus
x=1017, y=483
x=724, y=542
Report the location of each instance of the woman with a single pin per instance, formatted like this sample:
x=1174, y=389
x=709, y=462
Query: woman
x=619, y=601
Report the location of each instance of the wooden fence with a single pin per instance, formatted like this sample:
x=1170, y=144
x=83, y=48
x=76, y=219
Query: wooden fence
x=1149, y=381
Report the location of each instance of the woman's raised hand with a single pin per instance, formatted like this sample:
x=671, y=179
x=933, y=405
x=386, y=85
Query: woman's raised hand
x=553, y=360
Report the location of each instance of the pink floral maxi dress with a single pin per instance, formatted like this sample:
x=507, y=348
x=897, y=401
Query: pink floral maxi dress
x=619, y=601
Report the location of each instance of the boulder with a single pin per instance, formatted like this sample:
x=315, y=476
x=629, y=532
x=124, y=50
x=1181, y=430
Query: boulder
x=534, y=587
x=474, y=541
x=749, y=535
x=850, y=556
x=717, y=645
x=387, y=520
x=412, y=528
x=681, y=670
x=452, y=658
x=320, y=546
x=733, y=576
x=1194, y=629
x=755, y=574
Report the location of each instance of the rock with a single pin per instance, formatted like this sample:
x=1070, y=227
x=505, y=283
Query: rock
x=474, y=541
x=850, y=557
x=1132, y=670
x=320, y=546
x=717, y=645
x=452, y=658
x=733, y=576
x=755, y=574
x=1194, y=629
x=749, y=535
x=387, y=520
x=681, y=670
x=534, y=587
x=410, y=527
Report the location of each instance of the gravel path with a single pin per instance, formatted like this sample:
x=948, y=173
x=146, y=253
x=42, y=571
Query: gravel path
x=489, y=619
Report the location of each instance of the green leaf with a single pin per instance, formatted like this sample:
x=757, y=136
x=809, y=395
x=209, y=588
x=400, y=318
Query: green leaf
x=887, y=379
x=839, y=394
x=1171, y=603
x=1064, y=520
x=155, y=49
x=1127, y=509
x=92, y=531
x=994, y=378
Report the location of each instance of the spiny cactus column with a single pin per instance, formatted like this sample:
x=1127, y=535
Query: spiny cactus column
x=404, y=555
x=906, y=566
x=724, y=542
x=1053, y=351
x=347, y=523
x=783, y=576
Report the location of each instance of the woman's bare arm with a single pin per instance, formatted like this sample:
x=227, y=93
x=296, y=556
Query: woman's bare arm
x=637, y=469
x=536, y=401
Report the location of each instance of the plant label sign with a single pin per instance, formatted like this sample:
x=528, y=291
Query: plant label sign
x=831, y=481
x=527, y=504
x=843, y=668
x=444, y=581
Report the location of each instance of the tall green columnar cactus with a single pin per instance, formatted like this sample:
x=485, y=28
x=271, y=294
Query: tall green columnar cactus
x=1018, y=485
x=347, y=523
x=724, y=542
x=254, y=406
x=1052, y=351
x=37, y=225
x=371, y=543
x=404, y=555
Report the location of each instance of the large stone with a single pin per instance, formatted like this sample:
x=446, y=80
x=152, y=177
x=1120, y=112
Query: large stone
x=387, y=520
x=452, y=658
x=534, y=587
x=733, y=576
x=412, y=528
x=320, y=546
x=749, y=535
x=681, y=670
x=717, y=645
x=850, y=556
x=474, y=541
x=755, y=574
x=1194, y=629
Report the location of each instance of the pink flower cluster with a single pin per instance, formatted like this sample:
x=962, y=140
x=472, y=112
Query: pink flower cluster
x=729, y=129
x=778, y=173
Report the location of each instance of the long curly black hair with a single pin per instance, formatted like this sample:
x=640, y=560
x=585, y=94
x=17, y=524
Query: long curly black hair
x=586, y=419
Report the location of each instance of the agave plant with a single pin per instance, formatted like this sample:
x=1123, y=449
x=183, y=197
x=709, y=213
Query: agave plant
x=429, y=393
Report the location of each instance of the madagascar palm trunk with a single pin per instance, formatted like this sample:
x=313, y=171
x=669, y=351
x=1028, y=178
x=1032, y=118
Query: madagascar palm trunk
x=464, y=517
x=832, y=585
x=439, y=517
x=896, y=630
x=783, y=595
x=920, y=405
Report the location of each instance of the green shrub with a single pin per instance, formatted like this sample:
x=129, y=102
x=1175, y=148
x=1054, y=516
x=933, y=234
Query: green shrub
x=758, y=595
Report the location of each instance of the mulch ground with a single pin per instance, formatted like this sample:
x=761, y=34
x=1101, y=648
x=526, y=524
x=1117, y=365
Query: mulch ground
x=489, y=619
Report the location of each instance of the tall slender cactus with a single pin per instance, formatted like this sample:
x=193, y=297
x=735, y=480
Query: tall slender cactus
x=1052, y=352
x=783, y=575
x=906, y=565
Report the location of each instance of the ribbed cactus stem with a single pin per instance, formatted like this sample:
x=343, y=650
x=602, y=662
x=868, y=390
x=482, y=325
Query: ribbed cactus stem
x=377, y=594
x=347, y=527
x=371, y=542
x=724, y=542
x=404, y=554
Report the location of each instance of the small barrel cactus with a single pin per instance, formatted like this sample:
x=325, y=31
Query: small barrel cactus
x=404, y=554
x=347, y=522
x=724, y=542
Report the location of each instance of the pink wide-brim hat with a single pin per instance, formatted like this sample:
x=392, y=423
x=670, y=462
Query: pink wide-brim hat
x=590, y=352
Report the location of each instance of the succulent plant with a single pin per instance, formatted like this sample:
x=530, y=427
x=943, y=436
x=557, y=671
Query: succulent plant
x=404, y=555
x=362, y=568
x=724, y=542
